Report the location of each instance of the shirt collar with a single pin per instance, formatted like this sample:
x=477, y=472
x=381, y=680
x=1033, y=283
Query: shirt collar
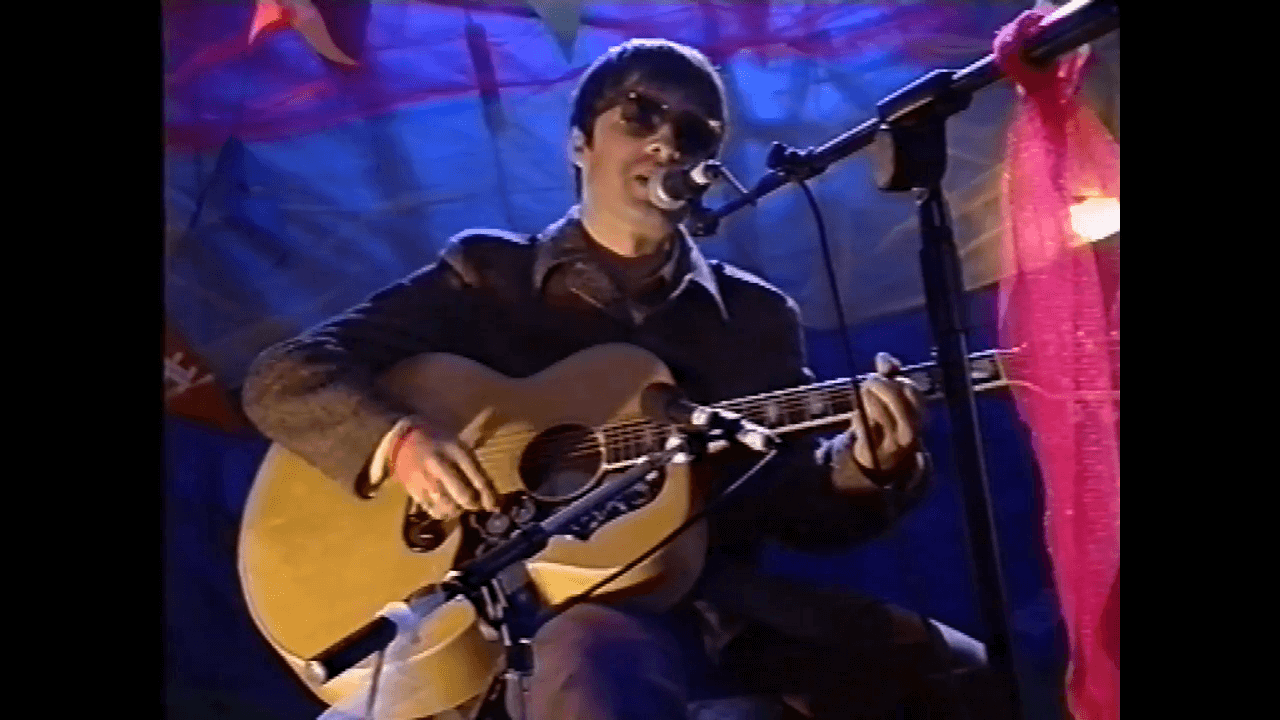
x=565, y=240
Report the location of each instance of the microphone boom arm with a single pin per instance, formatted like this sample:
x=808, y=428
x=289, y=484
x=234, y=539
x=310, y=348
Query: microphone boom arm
x=1067, y=28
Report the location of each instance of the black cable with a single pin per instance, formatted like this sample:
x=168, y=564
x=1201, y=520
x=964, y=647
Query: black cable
x=844, y=326
x=935, y=637
x=711, y=507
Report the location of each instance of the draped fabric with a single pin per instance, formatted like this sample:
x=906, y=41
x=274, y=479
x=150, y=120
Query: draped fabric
x=191, y=390
x=297, y=183
x=1061, y=307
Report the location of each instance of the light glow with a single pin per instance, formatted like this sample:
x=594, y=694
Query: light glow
x=1095, y=218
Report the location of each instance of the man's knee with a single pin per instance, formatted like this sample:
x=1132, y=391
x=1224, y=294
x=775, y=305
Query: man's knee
x=590, y=635
x=599, y=662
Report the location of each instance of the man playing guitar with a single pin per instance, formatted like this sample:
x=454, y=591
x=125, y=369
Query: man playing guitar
x=618, y=269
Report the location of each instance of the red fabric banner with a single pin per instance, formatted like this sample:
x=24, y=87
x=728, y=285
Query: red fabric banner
x=1060, y=305
x=191, y=390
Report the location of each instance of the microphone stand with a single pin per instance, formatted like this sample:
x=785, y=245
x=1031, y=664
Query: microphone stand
x=909, y=149
x=495, y=583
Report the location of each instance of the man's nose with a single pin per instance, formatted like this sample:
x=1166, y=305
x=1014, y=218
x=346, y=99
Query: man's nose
x=663, y=145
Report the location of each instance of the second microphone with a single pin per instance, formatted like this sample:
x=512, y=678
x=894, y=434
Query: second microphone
x=672, y=188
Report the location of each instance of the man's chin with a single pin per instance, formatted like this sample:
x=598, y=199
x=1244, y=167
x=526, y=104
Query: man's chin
x=654, y=218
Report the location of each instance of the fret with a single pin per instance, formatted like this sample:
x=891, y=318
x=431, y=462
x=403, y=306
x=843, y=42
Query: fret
x=616, y=442
x=639, y=441
x=652, y=439
x=842, y=401
x=807, y=406
x=792, y=409
x=631, y=441
x=796, y=414
x=814, y=405
x=771, y=412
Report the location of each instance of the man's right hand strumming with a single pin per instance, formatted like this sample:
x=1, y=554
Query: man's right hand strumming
x=440, y=473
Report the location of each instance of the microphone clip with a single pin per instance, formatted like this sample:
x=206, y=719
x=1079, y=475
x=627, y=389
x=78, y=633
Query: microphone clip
x=666, y=404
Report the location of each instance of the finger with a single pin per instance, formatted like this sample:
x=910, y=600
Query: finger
x=887, y=365
x=893, y=399
x=915, y=397
x=470, y=435
x=442, y=506
x=868, y=451
x=861, y=448
x=466, y=462
x=880, y=419
x=905, y=401
x=425, y=493
x=454, y=485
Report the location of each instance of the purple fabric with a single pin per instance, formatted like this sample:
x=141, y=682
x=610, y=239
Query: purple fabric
x=217, y=83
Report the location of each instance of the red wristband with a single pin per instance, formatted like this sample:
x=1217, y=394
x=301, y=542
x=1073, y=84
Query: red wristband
x=395, y=449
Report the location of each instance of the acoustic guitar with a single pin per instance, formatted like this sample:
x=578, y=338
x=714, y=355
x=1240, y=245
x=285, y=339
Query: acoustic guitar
x=318, y=560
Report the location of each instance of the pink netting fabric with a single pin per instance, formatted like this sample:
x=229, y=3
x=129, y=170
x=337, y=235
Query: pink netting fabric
x=1060, y=304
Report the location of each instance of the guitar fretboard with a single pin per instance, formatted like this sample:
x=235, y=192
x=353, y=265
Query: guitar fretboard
x=791, y=410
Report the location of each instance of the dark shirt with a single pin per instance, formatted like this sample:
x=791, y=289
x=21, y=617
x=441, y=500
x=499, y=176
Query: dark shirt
x=521, y=304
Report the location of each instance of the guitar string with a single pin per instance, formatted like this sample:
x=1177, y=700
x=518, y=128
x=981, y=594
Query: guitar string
x=814, y=398
x=622, y=436
x=637, y=434
x=782, y=401
x=631, y=431
x=785, y=404
x=629, y=443
x=590, y=447
x=827, y=403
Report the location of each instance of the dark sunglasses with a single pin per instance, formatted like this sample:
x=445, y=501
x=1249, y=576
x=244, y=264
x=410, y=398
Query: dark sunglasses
x=643, y=115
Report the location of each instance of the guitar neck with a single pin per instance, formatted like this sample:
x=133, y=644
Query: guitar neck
x=832, y=401
x=801, y=408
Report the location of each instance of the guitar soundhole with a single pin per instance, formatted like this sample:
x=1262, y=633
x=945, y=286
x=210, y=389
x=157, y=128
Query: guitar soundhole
x=561, y=463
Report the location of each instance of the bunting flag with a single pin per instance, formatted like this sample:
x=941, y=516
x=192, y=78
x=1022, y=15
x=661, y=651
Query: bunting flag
x=562, y=18
x=191, y=391
x=303, y=16
x=1055, y=298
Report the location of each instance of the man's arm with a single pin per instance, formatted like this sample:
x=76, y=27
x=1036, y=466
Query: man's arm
x=316, y=394
x=819, y=497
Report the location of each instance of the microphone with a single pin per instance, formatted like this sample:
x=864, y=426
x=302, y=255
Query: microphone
x=662, y=402
x=672, y=188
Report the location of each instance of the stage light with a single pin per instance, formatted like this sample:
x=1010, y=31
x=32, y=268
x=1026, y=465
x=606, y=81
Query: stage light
x=1095, y=218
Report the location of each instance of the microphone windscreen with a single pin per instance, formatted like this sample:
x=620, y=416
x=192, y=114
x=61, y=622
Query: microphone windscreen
x=661, y=195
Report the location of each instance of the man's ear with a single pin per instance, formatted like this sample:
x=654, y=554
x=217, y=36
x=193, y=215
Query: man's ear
x=577, y=146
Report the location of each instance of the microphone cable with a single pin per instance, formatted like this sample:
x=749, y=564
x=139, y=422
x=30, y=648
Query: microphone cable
x=844, y=325
x=950, y=683
x=713, y=506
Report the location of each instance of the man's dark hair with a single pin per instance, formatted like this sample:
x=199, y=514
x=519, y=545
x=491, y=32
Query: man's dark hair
x=651, y=62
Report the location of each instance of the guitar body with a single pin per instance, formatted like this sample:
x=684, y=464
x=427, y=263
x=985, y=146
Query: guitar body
x=318, y=561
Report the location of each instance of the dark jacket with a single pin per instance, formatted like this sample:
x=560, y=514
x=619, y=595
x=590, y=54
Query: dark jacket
x=519, y=305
